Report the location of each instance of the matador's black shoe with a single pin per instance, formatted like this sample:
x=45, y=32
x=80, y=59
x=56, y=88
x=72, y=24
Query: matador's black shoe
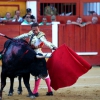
x=36, y=94
x=49, y=93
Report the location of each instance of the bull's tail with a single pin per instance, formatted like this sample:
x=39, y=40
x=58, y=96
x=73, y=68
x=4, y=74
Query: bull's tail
x=5, y=36
x=8, y=37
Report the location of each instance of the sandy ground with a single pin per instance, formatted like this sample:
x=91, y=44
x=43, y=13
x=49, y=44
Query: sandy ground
x=86, y=88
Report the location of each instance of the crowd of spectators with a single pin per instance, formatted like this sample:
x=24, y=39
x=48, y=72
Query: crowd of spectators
x=51, y=11
x=27, y=19
x=79, y=21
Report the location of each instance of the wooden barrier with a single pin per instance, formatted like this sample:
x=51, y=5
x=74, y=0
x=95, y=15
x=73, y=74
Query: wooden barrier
x=15, y=30
x=85, y=41
x=9, y=30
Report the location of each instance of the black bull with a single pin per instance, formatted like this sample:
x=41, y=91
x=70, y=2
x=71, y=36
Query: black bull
x=19, y=59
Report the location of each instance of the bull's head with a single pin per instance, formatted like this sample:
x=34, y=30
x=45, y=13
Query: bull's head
x=39, y=68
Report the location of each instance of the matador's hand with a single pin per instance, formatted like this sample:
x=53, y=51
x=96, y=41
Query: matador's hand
x=54, y=48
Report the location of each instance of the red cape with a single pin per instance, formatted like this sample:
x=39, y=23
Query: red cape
x=65, y=67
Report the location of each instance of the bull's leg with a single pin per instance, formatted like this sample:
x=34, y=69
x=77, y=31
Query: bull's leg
x=20, y=85
x=26, y=78
x=3, y=83
x=0, y=94
x=11, y=86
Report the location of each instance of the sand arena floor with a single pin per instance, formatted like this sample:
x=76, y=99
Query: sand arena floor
x=86, y=88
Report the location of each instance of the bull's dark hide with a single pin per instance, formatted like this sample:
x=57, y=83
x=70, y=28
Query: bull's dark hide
x=20, y=59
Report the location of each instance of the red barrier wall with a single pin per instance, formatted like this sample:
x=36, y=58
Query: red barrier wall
x=85, y=39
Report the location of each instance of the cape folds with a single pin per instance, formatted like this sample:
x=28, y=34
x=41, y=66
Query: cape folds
x=65, y=67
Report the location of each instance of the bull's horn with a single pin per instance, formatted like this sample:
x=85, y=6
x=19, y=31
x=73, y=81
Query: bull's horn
x=39, y=56
x=43, y=56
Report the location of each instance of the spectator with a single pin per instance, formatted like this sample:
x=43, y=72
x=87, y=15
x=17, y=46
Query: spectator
x=94, y=18
x=50, y=10
x=53, y=20
x=27, y=20
x=1, y=19
x=29, y=11
x=80, y=22
x=44, y=21
x=7, y=18
x=69, y=22
x=17, y=17
x=91, y=12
